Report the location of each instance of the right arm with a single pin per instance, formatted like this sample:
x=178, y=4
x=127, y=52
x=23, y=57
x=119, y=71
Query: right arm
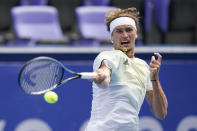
x=103, y=76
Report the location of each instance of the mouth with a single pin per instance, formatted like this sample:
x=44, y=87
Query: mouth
x=125, y=43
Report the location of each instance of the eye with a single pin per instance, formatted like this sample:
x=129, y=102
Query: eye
x=119, y=31
x=129, y=29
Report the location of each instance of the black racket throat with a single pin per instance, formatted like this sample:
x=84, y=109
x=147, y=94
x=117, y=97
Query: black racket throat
x=69, y=79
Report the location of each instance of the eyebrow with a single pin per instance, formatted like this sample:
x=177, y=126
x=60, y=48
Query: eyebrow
x=122, y=28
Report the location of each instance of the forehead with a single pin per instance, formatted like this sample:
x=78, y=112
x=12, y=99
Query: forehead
x=123, y=27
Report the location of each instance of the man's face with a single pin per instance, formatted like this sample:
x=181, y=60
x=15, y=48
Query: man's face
x=123, y=38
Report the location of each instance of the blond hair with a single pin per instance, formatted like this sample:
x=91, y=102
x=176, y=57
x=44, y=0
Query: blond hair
x=113, y=14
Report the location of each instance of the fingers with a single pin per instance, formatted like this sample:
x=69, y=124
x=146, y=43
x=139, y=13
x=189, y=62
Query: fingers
x=156, y=63
x=159, y=57
x=154, y=66
x=100, y=76
x=153, y=59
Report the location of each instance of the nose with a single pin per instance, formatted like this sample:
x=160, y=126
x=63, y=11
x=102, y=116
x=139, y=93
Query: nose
x=124, y=34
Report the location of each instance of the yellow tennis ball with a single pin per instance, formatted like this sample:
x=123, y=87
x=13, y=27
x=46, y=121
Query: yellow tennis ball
x=51, y=97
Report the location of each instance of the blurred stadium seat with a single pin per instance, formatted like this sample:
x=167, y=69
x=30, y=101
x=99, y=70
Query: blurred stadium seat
x=148, y=5
x=37, y=24
x=33, y=2
x=162, y=13
x=160, y=9
x=91, y=22
x=96, y=2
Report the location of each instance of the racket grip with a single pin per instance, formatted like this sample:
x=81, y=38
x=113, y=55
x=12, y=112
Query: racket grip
x=87, y=75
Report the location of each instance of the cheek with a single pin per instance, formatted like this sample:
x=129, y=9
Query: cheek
x=115, y=39
x=133, y=35
x=116, y=45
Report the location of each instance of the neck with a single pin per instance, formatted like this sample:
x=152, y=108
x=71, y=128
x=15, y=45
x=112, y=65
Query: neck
x=130, y=55
x=128, y=52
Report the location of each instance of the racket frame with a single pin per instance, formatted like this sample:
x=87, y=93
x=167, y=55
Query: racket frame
x=77, y=75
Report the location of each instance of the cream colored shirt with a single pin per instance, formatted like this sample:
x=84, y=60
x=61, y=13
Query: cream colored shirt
x=116, y=108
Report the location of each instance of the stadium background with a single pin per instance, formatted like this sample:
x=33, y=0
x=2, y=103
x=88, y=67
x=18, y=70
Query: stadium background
x=22, y=112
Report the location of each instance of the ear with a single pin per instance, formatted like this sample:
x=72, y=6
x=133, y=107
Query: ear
x=111, y=39
x=136, y=36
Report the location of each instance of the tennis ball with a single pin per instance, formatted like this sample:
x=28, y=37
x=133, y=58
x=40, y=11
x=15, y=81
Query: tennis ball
x=50, y=97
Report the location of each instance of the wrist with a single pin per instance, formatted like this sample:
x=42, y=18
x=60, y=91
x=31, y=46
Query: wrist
x=154, y=80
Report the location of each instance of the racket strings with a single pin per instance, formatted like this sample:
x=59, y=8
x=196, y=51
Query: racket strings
x=39, y=76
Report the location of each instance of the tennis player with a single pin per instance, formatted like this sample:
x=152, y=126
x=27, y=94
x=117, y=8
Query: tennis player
x=123, y=80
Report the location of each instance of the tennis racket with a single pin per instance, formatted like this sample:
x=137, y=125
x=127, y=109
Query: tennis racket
x=43, y=74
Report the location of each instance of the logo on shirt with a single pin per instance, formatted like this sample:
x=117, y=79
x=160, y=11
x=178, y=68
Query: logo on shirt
x=126, y=62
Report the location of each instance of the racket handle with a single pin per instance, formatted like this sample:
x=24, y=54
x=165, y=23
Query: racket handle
x=87, y=75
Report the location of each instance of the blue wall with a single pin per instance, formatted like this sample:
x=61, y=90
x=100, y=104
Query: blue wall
x=18, y=110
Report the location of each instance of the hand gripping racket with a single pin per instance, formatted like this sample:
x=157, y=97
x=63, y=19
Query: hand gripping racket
x=43, y=74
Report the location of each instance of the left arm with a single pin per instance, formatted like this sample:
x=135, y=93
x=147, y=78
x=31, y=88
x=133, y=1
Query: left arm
x=156, y=97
